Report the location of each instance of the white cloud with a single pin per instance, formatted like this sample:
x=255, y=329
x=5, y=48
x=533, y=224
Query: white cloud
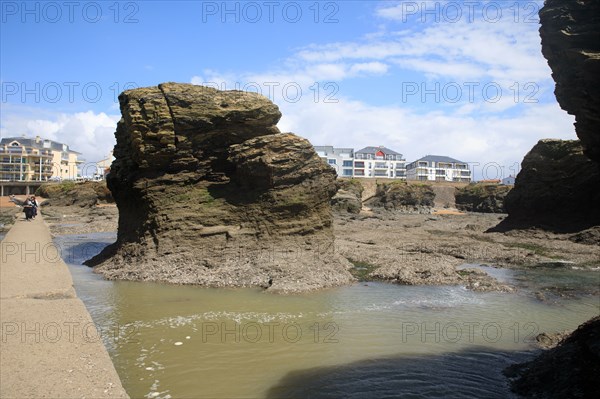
x=89, y=133
x=480, y=140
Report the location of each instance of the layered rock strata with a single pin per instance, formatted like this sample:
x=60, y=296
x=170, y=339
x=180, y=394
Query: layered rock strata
x=210, y=192
x=570, y=32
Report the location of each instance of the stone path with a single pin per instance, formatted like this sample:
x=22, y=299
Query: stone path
x=49, y=346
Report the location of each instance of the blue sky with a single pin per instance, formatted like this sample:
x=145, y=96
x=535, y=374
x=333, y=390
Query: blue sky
x=465, y=80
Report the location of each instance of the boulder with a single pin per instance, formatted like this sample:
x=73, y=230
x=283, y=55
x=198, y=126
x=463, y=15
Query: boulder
x=83, y=194
x=570, y=32
x=348, y=198
x=404, y=197
x=210, y=192
x=481, y=197
x=570, y=370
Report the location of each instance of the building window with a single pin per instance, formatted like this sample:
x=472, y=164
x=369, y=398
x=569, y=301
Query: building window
x=331, y=161
x=347, y=163
x=347, y=172
x=359, y=172
x=360, y=164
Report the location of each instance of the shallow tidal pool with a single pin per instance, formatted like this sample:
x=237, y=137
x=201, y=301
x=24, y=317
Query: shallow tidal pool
x=365, y=340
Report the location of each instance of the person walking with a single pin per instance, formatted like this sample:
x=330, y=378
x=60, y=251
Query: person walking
x=34, y=205
x=28, y=209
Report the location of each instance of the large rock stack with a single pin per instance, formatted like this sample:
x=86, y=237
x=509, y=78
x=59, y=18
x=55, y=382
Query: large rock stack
x=210, y=192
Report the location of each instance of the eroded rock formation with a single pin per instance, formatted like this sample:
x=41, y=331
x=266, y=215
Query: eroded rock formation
x=570, y=32
x=401, y=196
x=557, y=189
x=348, y=198
x=481, y=197
x=210, y=192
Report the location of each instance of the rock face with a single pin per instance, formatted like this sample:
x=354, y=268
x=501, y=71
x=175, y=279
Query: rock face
x=348, y=198
x=569, y=370
x=478, y=197
x=557, y=189
x=570, y=32
x=86, y=194
x=210, y=192
x=401, y=196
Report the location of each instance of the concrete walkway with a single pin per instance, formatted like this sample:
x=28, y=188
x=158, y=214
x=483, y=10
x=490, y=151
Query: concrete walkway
x=49, y=347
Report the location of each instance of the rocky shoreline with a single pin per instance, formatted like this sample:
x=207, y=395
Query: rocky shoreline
x=401, y=248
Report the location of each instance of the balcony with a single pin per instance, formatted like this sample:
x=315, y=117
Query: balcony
x=381, y=165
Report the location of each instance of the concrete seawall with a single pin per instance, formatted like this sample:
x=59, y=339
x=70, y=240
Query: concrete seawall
x=49, y=347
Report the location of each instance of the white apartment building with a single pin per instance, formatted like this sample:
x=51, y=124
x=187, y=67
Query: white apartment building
x=26, y=159
x=438, y=168
x=340, y=159
x=379, y=162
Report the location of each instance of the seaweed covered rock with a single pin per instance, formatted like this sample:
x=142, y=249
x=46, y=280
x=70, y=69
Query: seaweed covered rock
x=348, y=198
x=210, y=192
x=84, y=194
x=481, y=197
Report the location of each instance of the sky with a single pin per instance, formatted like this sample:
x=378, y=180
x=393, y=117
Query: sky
x=461, y=79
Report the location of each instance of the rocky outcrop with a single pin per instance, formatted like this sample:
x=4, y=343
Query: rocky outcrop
x=84, y=194
x=569, y=370
x=570, y=32
x=404, y=197
x=348, y=198
x=480, y=197
x=210, y=192
x=557, y=189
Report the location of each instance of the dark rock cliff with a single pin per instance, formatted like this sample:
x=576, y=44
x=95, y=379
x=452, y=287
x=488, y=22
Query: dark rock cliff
x=557, y=189
x=210, y=192
x=570, y=32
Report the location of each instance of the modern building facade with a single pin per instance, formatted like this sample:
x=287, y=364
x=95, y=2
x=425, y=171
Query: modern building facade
x=26, y=159
x=340, y=159
x=438, y=168
x=379, y=162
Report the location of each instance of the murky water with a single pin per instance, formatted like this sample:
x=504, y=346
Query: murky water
x=366, y=340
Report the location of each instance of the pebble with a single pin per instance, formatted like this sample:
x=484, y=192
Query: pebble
x=178, y=343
